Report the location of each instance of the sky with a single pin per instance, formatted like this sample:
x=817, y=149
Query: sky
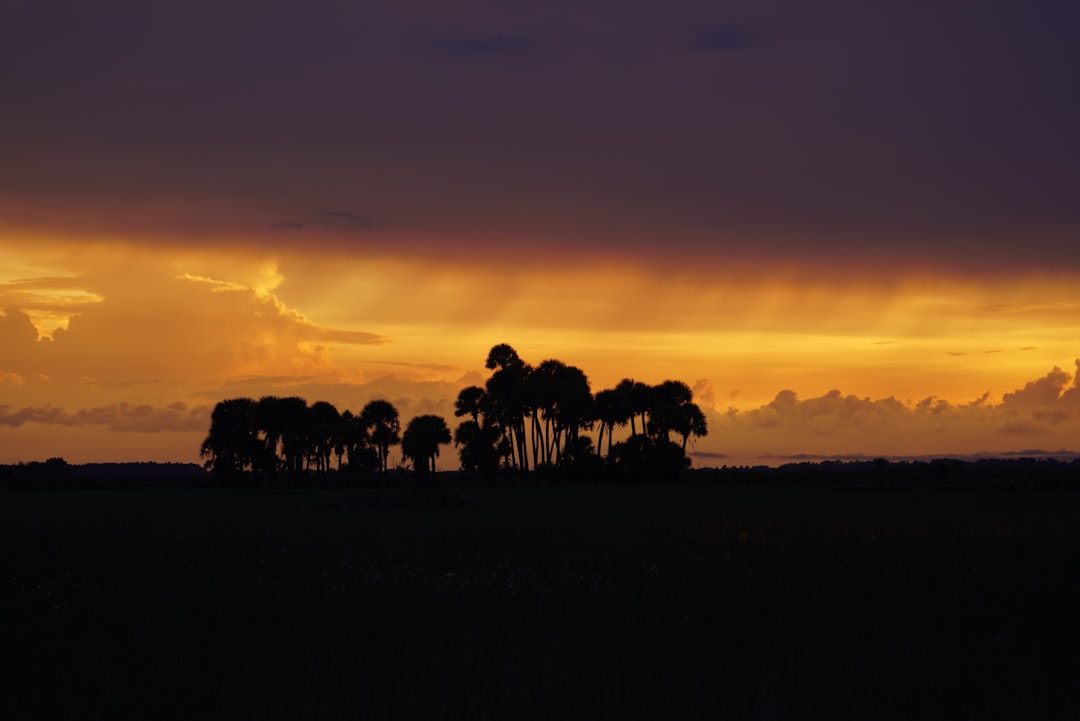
x=852, y=228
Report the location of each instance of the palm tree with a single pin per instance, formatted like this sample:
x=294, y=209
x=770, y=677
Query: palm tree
x=506, y=398
x=269, y=423
x=381, y=423
x=284, y=424
x=690, y=422
x=632, y=401
x=502, y=356
x=295, y=432
x=353, y=443
x=470, y=402
x=232, y=445
x=422, y=439
x=481, y=447
x=606, y=403
x=666, y=407
x=324, y=435
x=560, y=393
x=541, y=392
x=574, y=409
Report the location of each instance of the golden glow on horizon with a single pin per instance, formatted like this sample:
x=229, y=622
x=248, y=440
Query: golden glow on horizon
x=159, y=325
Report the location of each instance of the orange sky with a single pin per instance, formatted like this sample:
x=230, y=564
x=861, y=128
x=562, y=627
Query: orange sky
x=844, y=245
x=117, y=351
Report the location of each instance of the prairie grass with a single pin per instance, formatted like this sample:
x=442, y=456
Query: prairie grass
x=537, y=603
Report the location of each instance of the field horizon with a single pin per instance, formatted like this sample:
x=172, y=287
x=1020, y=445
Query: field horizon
x=827, y=596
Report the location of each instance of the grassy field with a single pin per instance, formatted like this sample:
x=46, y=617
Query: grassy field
x=576, y=602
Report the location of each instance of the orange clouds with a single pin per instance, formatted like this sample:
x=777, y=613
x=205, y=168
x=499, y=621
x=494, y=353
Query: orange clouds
x=110, y=337
x=1046, y=409
x=122, y=417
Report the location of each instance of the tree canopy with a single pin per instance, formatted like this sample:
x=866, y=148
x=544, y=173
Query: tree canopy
x=523, y=418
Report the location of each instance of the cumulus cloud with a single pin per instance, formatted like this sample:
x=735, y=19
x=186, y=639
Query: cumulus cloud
x=141, y=418
x=155, y=324
x=837, y=425
x=16, y=328
x=1046, y=392
x=825, y=414
x=1022, y=428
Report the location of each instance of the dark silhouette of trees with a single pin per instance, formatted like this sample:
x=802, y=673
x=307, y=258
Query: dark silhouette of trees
x=383, y=427
x=470, y=402
x=421, y=442
x=691, y=422
x=277, y=436
x=632, y=401
x=285, y=427
x=356, y=445
x=292, y=415
x=232, y=445
x=641, y=458
x=481, y=442
x=673, y=411
x=665, y=401
x=324, y=435
x=481, y=448
x=606, y=416
x=521, y=411
x=561, y=396
x=507, y=400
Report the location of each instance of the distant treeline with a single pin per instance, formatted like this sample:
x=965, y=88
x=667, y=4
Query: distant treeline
x=1007, y=474
x=524, y=418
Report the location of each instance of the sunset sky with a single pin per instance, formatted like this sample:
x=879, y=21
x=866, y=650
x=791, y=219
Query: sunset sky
x=852, y=227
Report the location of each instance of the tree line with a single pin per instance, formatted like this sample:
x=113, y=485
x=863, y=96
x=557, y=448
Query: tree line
x=523, y=418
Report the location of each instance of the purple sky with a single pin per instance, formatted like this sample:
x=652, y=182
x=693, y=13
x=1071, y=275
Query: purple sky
x=937, y=131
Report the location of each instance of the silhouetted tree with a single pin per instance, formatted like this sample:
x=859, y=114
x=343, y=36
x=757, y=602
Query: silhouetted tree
x=421, y=441
x=666, y=402
x=507, y=403
x=481, y=447
x=383, y=427
x=690, y=422
x=605, y=404
x=232, y=445
x=291, y=415
x=324, y=435
x=640, y=457
x=357, y=447
x=560, y=394
x=269, y=421
x=632, y=402
x=470, y=402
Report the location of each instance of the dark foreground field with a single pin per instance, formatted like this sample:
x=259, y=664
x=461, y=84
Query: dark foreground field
x=640, y=602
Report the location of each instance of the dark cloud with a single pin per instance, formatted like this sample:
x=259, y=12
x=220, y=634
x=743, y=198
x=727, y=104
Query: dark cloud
x=330, y=219
x=118, y=417
x=812, y=457
x=477, y=45
x=1054, y=417
x=708, y=454
x=721, y=39
x=345, y=219
x=832, y=140
x=16, y=329
x=1023, y=428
